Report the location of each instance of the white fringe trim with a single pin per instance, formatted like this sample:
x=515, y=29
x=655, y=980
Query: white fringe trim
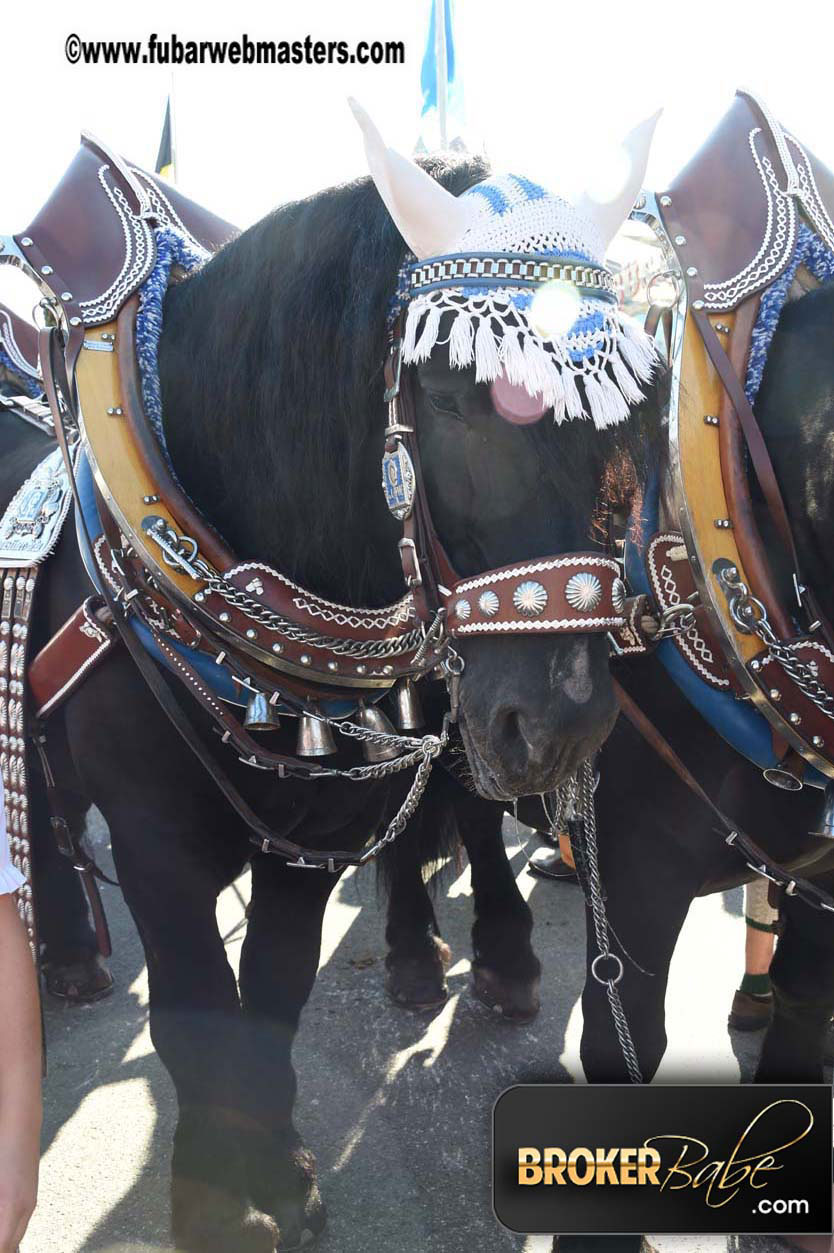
x=490, y=333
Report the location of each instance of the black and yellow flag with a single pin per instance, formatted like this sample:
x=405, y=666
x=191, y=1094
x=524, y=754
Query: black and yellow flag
x=165, y=161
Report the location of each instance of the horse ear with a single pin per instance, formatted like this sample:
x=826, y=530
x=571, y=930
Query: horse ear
x=608, y=207
x=429, y=218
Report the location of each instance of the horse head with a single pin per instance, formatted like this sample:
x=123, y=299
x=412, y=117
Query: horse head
x=497, y=371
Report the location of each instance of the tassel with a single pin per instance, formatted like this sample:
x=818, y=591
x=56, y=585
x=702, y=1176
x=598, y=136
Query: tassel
x=637, y=350
x=596, y=401
x=460, y=340
x=487, y=364
x=512, y=358
x=573, y=401
x=412, y=324
x=616, y=407
x=536, y=367
x=625, y=380
x=428, y=336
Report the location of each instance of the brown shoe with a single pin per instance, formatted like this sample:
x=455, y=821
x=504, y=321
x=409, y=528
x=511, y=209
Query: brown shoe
x=750, y=1013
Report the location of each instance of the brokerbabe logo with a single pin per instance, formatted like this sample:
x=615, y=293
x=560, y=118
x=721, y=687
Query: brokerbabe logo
x=676, y=1159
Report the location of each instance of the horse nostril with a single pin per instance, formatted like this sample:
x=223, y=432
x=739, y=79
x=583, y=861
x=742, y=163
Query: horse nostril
x=515, y=740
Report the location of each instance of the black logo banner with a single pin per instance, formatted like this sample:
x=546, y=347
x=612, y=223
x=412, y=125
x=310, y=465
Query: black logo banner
x=679, y=1158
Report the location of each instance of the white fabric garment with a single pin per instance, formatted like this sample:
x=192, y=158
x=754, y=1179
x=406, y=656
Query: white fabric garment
x=10, y=877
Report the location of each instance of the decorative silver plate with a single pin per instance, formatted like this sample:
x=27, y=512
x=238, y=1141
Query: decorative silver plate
x=31, y=525
x=398, y=481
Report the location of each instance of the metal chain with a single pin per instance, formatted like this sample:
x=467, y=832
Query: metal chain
x=368, y=649
x=750, y=616
x=409, y=806
x=585, y=796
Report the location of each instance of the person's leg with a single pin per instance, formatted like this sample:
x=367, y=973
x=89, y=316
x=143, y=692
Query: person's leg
x=752, y=1006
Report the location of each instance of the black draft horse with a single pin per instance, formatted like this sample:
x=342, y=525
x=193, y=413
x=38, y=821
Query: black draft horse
x=271, y=370
x=658, y=845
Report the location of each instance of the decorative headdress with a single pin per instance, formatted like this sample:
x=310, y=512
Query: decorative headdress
x=496, y=259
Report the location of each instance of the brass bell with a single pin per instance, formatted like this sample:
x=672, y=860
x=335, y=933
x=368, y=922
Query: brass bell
x=408, y=710
x=315, y=739
x=373, y=719
x=260, y=714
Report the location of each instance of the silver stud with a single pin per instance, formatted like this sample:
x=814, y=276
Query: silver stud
x=108, y=337
x=387, y=669
x=618, y=595
x=255, y=586
x=251, y=634
x=150, y=500
x=583, y=591
x=306, y=659
x=361, y=669
x=333, y=665
x=488, y=604
x=26, y=241
x=723, y=524
x=818, y=741
x=277, y=648
x=66, y=295
x=692, y=270
x=755, y=665
x=666, y=201
x=711, y=419
x=224, y=617
x=115, y=411
x=199, y=597
x=530, y=598
x=775, y=694
x=722, y=328
x=794, y=719
x=75, y=321
x=46, y=269
x=697, y=304
x=680, y=240
x=463, y=609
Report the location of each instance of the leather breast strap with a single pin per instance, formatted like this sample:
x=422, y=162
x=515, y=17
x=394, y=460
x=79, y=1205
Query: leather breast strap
x=55, y=382
x=755, y=856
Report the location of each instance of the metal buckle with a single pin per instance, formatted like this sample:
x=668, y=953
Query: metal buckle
x=415, y=579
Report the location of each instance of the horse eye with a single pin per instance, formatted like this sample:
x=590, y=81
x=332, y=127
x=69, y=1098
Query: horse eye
x=445, y=402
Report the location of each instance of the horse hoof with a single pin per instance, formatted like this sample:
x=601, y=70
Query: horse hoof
x=79, y=983
x=515, y=1000
x=419, y=983
x=208, y=1220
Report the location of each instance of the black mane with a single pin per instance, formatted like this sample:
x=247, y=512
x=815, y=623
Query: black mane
x=271, y=369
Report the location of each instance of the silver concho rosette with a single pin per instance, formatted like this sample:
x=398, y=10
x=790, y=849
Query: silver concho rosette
x=463, y=609
x=583, y=592
x=488, y=604
x=530, y=598
x=618, y=595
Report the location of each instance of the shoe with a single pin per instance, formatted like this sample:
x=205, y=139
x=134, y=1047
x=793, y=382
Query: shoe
x=750, y=1013
x=548, y=864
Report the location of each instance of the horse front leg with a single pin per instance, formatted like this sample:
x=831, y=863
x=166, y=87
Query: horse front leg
x=417, y=957
x=171, y=880
x=506, y=974
x=802, y=974
x=278, y=967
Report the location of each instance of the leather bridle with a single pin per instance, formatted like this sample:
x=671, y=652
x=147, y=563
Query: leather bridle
x=565, y=594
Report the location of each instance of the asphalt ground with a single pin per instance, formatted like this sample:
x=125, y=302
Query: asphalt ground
x=395, y=1106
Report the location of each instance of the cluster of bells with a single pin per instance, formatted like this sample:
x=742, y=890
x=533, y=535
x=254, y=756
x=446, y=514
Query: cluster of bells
x=315, y=738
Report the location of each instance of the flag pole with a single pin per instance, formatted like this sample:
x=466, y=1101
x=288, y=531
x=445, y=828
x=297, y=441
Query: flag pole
x=440, y=54
x=173, y=115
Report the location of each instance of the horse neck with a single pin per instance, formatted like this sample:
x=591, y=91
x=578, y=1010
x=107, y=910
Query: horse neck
x=795, y=408
x=294, y=488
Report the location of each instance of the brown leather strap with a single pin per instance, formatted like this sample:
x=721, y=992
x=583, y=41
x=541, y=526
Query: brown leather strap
x=81, y=644
x=759, y=456
x=736, y=836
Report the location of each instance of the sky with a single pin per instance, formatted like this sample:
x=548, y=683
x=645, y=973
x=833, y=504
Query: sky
x=549, y=88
